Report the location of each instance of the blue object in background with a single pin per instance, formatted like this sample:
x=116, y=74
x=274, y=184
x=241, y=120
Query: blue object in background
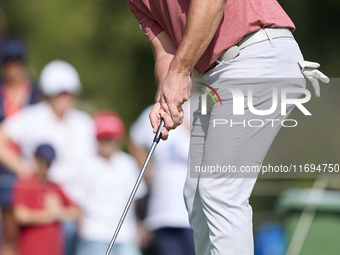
x=270, y=239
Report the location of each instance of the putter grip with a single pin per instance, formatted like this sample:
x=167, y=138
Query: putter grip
x=158, y=133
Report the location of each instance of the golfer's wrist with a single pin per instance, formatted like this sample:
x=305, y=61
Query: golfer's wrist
x=180, y=66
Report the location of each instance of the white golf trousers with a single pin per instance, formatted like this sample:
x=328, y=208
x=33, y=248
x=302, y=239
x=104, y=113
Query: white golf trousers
x=218, y=207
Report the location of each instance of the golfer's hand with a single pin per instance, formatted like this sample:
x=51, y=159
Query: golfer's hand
x=155, y=116
x=174, y=91
x=310, y=71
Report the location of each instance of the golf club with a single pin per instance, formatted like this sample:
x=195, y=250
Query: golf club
x=135, y=188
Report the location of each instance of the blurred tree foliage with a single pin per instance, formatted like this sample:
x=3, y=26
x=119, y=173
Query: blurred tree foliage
x=100, y=38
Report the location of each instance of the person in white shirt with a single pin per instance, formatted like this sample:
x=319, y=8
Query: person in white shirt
x=57, y=122
x=166, y=214
x=109, y=177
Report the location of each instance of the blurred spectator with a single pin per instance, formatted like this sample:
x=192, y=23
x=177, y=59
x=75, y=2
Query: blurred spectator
x=166, y=215
x=57, y=122
x=16, y=91
x=39, y=207
x=109, y=178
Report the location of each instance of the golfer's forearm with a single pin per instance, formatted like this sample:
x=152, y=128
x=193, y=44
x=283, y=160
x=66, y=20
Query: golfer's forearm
x=162, y=66
x=203, y=20
x=164, y=50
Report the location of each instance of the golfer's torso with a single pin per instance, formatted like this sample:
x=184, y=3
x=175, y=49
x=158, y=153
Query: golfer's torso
x=240, y=18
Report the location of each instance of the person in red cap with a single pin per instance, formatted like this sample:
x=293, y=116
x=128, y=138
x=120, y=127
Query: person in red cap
x=108, y=179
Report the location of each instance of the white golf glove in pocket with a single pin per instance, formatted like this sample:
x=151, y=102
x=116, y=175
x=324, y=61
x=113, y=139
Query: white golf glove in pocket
x=310, y=71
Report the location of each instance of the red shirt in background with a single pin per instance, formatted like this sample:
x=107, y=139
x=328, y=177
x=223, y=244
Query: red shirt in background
x=241, y=17
x=46, y=239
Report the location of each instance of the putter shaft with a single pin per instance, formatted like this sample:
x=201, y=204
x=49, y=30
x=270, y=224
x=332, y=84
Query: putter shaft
x=135, y=188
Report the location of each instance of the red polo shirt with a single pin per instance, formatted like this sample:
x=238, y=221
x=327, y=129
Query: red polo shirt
x=241, y=17
x=45, y=239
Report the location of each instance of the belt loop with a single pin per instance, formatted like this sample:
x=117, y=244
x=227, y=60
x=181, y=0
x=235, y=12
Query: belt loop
x=266, y=30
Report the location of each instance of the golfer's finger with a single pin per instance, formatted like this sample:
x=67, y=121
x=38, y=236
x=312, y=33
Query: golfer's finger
x=165, y=106
x=181, y=117
x=165, y=134
x=168, y=122
x=176, y=115
x=155, y=118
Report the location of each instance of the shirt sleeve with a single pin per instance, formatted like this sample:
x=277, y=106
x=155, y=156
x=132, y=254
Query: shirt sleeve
x=150, y=27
